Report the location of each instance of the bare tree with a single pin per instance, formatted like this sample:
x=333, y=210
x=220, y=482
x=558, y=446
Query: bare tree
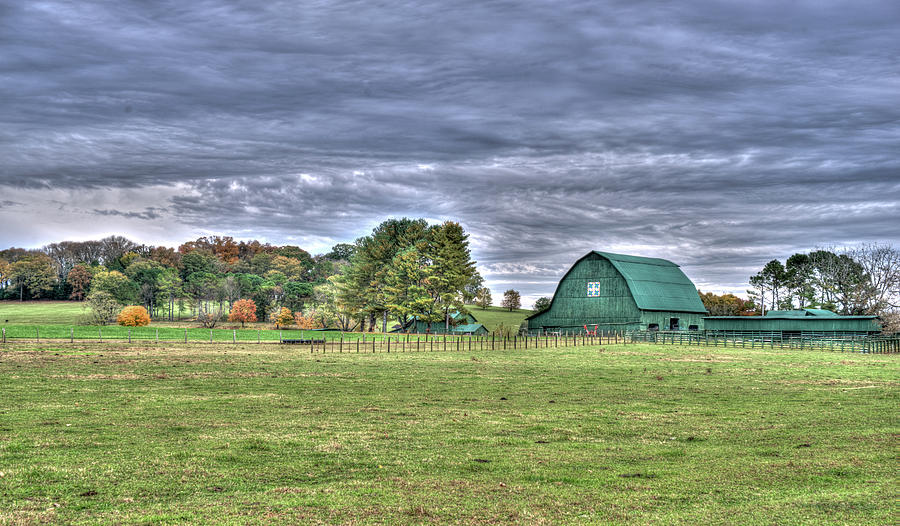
x=114, y=247
x=231, y=288
x=881, y=264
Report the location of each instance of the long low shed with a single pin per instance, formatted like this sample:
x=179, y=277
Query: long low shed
x=790, y=325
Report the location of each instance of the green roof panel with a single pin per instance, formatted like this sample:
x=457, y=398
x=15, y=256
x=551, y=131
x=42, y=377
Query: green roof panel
x=471, y=327
x=657, y=284
x=800, y=313
x=820, y=312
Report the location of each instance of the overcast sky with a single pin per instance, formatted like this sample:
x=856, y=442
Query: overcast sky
x=718, y=135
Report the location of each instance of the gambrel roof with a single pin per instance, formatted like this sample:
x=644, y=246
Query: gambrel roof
x=656, y=284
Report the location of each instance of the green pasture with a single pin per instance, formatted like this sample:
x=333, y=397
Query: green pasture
x=165, y=333
x=494, y=316
x=264, y=434
x=41, y=312
x=46, y=312
x=70, y=313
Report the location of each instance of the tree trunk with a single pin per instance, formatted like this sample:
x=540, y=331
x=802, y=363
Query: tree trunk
x=384, y=321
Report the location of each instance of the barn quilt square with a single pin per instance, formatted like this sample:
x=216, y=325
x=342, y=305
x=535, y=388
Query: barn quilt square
x=593, y=289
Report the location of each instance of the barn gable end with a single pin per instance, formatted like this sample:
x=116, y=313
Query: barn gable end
x=619, y=292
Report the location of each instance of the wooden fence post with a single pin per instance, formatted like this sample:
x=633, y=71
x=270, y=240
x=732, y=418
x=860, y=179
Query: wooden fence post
x=129, y=335
x=4, y=334
x=185, y=336
x=72, y=335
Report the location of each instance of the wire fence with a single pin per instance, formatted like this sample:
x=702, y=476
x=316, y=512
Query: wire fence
x=341, y=342
x=322, y=341
x=774, y=340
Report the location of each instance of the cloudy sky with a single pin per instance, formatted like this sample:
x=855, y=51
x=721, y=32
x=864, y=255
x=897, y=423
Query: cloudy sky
x=715, y=134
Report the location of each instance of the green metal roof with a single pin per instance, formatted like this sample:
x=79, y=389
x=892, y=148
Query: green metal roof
x=800, y=313
x=656, y=284
x=820, y=312
x=471, y=327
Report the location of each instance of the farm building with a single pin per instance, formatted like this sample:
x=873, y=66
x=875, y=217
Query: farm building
x=460, y=323
x=795, y=323
x=616, y=292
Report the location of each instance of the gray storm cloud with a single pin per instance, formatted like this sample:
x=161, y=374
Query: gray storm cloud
x=718, y=135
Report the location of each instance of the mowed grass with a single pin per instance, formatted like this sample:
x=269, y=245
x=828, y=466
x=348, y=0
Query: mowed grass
x=93, y=433
x=59, y=313
x=492, y=317
x=41, y=312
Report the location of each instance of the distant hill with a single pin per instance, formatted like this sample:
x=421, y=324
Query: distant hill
x=494, y=316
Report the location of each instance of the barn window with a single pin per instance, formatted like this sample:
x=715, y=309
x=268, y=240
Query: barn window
x=653, y=327
x=693, y=328
x=673, y=324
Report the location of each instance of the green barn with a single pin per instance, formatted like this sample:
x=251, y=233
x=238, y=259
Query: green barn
x=617, y=292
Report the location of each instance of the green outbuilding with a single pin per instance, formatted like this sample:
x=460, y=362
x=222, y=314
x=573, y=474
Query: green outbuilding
x=795, y=323
x=460, y=323
x=616, y=292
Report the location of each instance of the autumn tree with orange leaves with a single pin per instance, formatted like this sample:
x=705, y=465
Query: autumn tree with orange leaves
x=243, y=311
x=133, y=316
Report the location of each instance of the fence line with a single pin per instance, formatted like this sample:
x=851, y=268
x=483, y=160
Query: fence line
x=837, y=343
x=340, y=342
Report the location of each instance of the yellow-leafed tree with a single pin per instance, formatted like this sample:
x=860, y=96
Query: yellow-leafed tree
x=282, y=317
x=134, y=316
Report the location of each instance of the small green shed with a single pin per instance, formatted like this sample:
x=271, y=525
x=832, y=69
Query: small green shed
x=460, y=323
x=475, y=329
x=619, y=292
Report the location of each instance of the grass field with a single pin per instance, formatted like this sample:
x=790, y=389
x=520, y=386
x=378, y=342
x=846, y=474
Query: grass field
x=66, y=313
x=243, y=434
x=41, y=312
x=494, y=316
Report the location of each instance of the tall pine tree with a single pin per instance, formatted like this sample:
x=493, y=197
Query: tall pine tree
x=451, y=269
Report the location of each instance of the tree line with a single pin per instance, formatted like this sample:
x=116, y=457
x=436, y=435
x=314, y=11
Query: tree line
x=864, y=279
x=405, y=269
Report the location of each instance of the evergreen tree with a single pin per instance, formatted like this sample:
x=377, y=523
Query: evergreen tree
x=451, y=269
x=405, y=291
x=372, y=261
